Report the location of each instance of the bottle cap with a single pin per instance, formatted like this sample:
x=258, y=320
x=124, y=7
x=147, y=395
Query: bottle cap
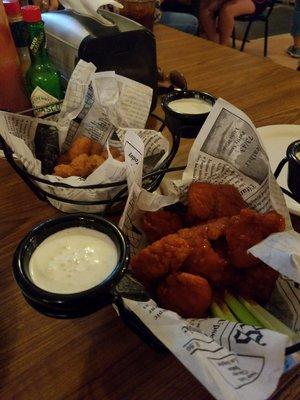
x=12, y=7
x=31, y=13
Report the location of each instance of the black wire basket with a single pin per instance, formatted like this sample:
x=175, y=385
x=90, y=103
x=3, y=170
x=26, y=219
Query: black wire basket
x=151, y=180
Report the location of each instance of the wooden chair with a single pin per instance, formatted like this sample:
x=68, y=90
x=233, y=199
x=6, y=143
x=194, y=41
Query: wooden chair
x=263, y=17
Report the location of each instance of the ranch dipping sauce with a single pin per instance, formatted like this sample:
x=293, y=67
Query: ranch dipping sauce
x=298, y=155
x=190, y=106
x=73, y=260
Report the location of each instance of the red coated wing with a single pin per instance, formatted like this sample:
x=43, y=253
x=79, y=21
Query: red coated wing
x=248, y=229
x=160, y=223
x=159, y=259
x=188, y=295
x=208, y=201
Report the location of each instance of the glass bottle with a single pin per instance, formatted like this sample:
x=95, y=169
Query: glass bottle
x=43, y=79
x=12, y=91
x=19, y=32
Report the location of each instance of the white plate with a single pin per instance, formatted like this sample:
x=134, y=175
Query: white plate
x=276, y=139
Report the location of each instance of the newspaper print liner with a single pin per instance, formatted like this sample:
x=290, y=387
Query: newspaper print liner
x=232, y=360
x=102, y=106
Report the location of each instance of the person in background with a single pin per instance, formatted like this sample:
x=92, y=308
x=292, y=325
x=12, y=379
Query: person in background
x=219, y=29
x=45, y=5
x=294, y=50
x=184, y=22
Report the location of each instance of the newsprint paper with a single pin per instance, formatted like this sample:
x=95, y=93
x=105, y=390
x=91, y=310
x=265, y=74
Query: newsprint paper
x=103, y=106
x=232, y=360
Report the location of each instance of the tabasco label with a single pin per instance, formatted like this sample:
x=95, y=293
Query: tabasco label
x=40, y=98
x=37, y=43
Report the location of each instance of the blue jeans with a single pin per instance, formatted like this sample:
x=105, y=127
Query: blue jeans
x=296, y=20
x=183, y=22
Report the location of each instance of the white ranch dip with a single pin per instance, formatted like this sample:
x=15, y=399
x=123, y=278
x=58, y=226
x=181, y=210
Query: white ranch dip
x=190, y=106
x=73, y=260
x=298, y=155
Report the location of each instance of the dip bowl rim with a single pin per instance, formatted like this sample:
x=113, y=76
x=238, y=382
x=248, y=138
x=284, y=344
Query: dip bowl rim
x=187, y=94
x=32, y=240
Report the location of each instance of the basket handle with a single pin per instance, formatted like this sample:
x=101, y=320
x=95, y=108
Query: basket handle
x=277, y=173
x=30, y=179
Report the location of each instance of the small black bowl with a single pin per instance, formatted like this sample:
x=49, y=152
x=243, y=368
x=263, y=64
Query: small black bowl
x=294, y=168
x=75, y=304
x=185, y=125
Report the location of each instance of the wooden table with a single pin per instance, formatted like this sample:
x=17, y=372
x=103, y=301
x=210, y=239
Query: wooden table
x=97, y=357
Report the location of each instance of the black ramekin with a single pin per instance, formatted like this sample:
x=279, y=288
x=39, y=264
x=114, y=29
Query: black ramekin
x=75, y=304
x=186, y=125
x=294, y=168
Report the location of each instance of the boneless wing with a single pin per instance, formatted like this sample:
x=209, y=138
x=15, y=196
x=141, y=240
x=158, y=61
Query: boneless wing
x=203, y=259
x=206, y=262
x=159, y=259
x=208, y=201
x=188, y=295
x=211, y=230
x=258, y=282
x=160, y=223
x=248, y=229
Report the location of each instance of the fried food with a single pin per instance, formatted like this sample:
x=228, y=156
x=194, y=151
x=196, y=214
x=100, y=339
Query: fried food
x=208, y=201
x=160, y=223
x=248, y=229
x=120, y=158
x=159, y=259
x=81, y=165
x=95, y=161
x=96, y=148
x=81, y=145
x=258, y=283
x=211, y=230
x=184, y=266
x=188, y=295
x=206, y=262
x=64, y=159
x=83, y=157
x=115, y=153
x=64, y=171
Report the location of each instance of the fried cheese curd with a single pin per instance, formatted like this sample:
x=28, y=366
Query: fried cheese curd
x=160, y=223
x=83, y=157
x=159, y=259
x=209, y=201
x=64, y=170
x=247, y=229
x=81, y=145
x=188, y=295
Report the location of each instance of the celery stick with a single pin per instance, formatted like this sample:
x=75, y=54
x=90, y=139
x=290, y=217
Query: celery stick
x=242, y=314
x=266, y=319
x=216, y=311
x=227, y=313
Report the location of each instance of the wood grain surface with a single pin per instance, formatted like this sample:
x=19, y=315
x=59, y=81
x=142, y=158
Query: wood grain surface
x=97, y=357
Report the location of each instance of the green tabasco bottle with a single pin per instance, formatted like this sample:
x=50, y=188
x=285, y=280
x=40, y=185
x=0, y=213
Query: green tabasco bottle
x=43, y=80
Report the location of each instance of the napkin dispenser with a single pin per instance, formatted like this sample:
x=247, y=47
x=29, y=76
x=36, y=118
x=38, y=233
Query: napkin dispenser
x=111, y=42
